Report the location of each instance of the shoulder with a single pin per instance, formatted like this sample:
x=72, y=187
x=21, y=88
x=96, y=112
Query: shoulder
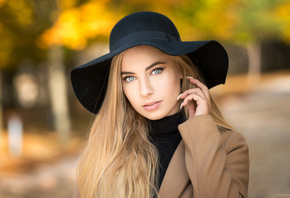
x=201, y=122
x=205, y=126
x=232, y=140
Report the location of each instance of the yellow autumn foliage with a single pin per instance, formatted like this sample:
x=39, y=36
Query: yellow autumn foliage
x=2, y=2
x=196, y=20
x=218, y=22
x=282, y=15
x=65, y=4
x=22, y=11
x=78, y=24
x=208, y=19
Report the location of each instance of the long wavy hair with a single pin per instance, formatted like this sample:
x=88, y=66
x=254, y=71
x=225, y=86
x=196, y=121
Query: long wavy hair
x=118, y=159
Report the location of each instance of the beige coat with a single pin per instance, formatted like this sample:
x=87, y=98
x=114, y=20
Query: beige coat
x=208, y=163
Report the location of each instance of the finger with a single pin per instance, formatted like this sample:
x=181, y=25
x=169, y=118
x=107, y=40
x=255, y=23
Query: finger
x=192, y=91
x=201, y=106
x=199, y=84
x=191, y=109
x=195, y=97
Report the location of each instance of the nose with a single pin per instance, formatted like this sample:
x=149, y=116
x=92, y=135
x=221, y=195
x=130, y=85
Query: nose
x=146, y=87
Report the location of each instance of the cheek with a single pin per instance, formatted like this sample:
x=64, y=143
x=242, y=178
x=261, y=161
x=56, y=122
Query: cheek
x=130, y=93
x=172, y=84
x=167, y=87
x=126, y=92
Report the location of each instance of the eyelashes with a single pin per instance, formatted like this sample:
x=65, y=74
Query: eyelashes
x=128, y=79
x=155, y=71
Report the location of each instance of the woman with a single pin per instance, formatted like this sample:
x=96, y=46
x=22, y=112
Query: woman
x=157, y=132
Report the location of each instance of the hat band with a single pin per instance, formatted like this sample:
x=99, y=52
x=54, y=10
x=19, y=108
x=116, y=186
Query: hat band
x=144, y=35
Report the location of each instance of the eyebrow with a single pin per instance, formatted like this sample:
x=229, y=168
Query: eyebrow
x=147, y=68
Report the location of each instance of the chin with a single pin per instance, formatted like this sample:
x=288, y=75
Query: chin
x=154, y=116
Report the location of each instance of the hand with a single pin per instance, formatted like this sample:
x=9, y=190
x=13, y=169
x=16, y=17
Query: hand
x=197, y=99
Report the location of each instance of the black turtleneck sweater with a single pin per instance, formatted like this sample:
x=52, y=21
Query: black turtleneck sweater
x=165, y=136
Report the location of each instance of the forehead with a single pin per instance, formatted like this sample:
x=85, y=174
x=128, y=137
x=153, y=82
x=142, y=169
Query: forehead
x=143, y=55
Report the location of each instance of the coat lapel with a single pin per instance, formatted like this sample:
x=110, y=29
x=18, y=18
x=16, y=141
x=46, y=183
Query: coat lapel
x=176, y=177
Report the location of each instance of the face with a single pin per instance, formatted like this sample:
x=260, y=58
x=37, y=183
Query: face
x=151, y=82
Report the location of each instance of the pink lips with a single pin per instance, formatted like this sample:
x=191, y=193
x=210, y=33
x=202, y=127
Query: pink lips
x=152, y=105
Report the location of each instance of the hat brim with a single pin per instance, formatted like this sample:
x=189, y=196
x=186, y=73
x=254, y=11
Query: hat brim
x=90, y=80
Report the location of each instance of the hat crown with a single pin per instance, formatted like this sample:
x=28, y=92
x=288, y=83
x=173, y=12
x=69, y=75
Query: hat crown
x=145, y=25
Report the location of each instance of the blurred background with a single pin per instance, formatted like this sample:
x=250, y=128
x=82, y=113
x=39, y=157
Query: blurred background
x=42, y=125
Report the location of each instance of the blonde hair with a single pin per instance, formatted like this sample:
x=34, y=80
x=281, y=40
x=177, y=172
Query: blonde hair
x=118, y=159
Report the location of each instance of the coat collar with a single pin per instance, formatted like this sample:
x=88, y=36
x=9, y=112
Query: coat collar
x=176, y=177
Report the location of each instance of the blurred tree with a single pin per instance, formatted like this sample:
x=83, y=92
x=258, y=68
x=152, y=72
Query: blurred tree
x=58, y=94
x=75, y=23
x=18, y=32
x=21, y=22
x=256, y=24
x=57, y=76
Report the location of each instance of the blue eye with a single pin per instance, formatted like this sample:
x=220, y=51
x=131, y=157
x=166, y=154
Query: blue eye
x=129, y=78
x=157, y=71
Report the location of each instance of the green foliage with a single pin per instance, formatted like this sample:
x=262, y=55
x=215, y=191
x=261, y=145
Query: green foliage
x=207, y=19
x=256, y=21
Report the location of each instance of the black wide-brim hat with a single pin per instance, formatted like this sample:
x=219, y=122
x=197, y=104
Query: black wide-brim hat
x=90, y=80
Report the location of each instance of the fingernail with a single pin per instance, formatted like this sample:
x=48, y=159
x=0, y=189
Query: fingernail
x=189, y=77
x=181, y=106
x=179, y=96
